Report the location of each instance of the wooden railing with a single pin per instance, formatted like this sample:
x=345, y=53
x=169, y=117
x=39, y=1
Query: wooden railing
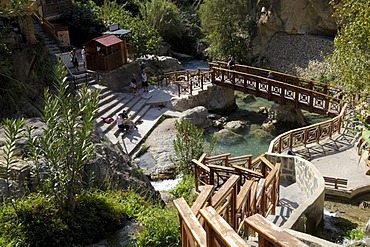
x=282, y=77
x=187, y=81
x=269, y=234
x=223, y=212
x=307, y=135
x=277, y=91
x=261, y=197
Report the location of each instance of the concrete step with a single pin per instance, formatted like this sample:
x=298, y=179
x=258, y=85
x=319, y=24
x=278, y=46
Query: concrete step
x=109, y=105
x=135, y=109
x=107, y=99
x=134, y=139
x=136, y=117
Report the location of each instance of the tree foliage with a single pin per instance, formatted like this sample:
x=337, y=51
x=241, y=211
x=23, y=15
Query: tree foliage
x=82, y=19
x=165, y=17
x=189, y=144
x=229, y=28
x=66, y=144
x=351, y=57
x=144, y=38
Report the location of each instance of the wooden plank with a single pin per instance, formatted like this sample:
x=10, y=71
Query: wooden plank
x=202, y=199
x=271, y=232
x=221, y=168
x=223, y=192
x=267, y=162
x=190, y=221
x=222, y=229
x=243, y=193
x=202, y=166
x=249, y=171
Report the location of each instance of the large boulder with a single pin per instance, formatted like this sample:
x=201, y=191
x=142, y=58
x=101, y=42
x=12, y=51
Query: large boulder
x=287, y=115
x=119, y=79
x=215, y=99
x=159, y=64
x=293, y=17
x=228, y=137
x=198, y=116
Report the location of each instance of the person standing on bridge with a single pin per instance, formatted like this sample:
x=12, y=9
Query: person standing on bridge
x=231, y=63
x=270, y=75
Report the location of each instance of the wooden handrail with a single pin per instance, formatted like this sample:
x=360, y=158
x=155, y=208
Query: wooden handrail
x=189, y=224
x=276, y=145
x=270, y=234
x=219, y=233
x=203, y=199
x=224, y=191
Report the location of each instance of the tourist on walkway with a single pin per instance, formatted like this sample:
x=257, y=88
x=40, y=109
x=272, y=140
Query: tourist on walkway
x=133, y=84
x=270, y=75
x=144, y=81
x=231, y=63
x=83, y=55
x=74, y=60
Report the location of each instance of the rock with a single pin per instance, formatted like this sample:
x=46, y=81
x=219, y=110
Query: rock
x=268, y=126
x=247, y=98
x=258, y=132
x=287, y=115
x=228, y=137
x=159, y=64
x=160, y=143
x=197, y=116
x=263, y=110
x=235, y=126
x=167, y=197
x=215, y=98
x=293, y=17
x=119, y=79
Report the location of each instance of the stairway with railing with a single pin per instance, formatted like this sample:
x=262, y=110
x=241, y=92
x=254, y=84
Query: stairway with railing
x=242, y=186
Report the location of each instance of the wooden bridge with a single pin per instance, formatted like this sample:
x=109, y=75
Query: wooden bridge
x=237, y=193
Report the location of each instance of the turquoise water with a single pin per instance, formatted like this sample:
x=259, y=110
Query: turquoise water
x=255, y=140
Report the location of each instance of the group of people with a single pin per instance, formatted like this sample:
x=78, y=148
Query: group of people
x=74, y=59
x=144, y=82
x=123, y=121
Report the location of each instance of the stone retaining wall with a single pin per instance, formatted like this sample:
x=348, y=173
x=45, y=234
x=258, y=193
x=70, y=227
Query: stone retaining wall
x=309, y=214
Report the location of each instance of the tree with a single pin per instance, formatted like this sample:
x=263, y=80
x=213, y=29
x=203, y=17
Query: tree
x=13, y=132
x=165, y=17
x=189, y=144
x=144, y=38
x=351, y=57
x=66, y=145
x=228, y=27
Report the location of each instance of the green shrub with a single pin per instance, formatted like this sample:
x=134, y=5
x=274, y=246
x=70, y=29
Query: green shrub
x=37, y=221
x=189, y=144
x=161, y=228
x=185, y=189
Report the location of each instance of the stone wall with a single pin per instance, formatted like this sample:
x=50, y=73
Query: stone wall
x=309, y=214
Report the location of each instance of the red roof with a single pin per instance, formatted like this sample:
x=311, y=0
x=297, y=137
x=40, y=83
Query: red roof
x=108, y=40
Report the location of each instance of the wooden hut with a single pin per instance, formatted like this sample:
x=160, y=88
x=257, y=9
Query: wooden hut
x=105, y=53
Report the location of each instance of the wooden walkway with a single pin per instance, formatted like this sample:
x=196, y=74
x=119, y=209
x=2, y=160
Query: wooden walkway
x=237, y=193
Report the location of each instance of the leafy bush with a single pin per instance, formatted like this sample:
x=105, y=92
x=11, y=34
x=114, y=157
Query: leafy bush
x=37, y=221
x=185, y=189
x=161, y=228
x=189, y=144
